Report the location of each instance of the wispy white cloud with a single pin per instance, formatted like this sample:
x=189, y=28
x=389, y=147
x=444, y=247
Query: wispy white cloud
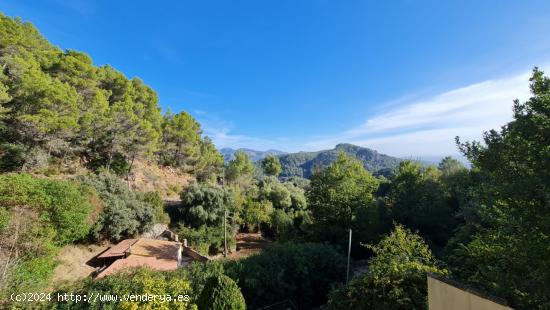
x=426, y=128
x=410, y=127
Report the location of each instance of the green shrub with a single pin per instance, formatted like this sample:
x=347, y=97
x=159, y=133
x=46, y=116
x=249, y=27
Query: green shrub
x=126, y=212
x=303, y=273
x=136, y=282
x=198, y=273
x=31, y=274
x=12, y=156
x=155, y=200
x=281, y=224
x=254, y=213
x=203, y=204
x=60, y=204
x=119, y=164
x=396, y=277
x=38, y=216
x=221, y=292
x=205, y=239
x=174, y=189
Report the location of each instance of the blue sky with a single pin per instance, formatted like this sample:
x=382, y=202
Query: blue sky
x=402, y=77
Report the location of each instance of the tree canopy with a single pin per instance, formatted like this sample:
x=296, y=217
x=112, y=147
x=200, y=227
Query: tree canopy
x=240, y=167
x=57, y=107
x=337, y=196
x=271, y=165
x=396, y=276
x=507, y=251
x=221, y=292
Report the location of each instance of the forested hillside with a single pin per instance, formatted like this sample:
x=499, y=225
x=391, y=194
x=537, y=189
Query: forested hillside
x=71, y=133
x=303, y=164
x=59, y=110
x=60, y=116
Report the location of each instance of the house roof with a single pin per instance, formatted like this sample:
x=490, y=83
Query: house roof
x=156, y=254
x=119, y=249
x=160, y=249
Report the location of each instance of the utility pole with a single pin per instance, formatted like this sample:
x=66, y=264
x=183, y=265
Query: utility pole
x=224, y=233
x=349, y=253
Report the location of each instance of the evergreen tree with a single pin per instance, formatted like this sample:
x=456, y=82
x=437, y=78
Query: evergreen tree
x=507, y=250
x=337, y=195
x=271, y=165
x=221, y=292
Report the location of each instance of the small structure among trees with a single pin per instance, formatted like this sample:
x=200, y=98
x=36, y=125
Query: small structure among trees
x=155, y=254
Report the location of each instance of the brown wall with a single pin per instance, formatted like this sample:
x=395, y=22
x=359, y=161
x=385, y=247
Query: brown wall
x=444, y=296
x=194, y=254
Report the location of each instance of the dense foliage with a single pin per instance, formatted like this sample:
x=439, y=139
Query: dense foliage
x=503, y=247
x=155, y=200
x=396, y=276
x=140, y=282
x=221, y=292
x=38, y=217
x=207, y=240
x=126, y=213
x=417, y=200
x=271, y=165
x=203, y=204
x=302, y=273
x=342, y=197
x=57, y=108
x=489, y=224
x=240, y=167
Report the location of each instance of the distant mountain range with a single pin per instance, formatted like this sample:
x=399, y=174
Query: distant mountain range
x=302, y=164
x=229, y=153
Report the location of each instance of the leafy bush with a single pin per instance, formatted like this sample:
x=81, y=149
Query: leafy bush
x=155, y=200
x=417, y=200
x=32, y=273
x=271, y=165
x=506, y=247
x=62, y=205
x=126, y=212
x=203, y=204
x=337, y=197
x=254, y=213
x=136, y=282
x=273, y=190
x=37, y=216
x=396, y=278
x=205, y=239
x=221, y=292
x=12, y=156
x=303, y=273
x=198, y=273
x=289, y=204
x=281, y=224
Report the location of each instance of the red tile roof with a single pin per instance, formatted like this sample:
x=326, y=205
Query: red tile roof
x=156, y=254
